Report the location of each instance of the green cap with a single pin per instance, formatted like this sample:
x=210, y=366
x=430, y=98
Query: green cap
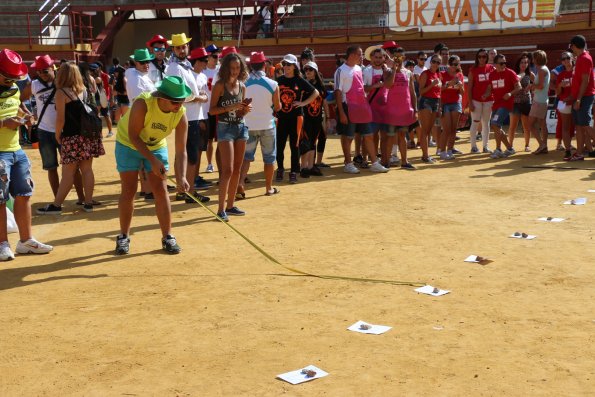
x=142, y=54
x=172, y=88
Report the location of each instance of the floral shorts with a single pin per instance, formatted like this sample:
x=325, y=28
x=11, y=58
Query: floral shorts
x=78, y=148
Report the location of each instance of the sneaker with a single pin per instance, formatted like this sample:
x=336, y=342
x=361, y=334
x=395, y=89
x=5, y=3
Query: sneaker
x=49, y=209
x=315, y=171
x=170, y=245
x=357, y=160
x=478, y=137
x=486, y=150
x=280, y=174
x=201, y=184
x=567, y=155
x=456, y=151
x=109, y=134
x=122, y=244
x=527, y=149
x=428, y=160
x=444, y=156
x=304, y=173
x=509, y=152
x=432, y=144
x=322, y=165
x=149, y=196
x=223, y=216
x=377, y=167
x=6, y=253
x=189, y=200
x=450, y=155
x=474, y=150
x=33, y=246
x=394, y=160
x=438, y=151
x=293, y=177
x=235, y=211
x=496, y=154
x=210, y=169
x=577, y=157
x=407, y=166
x=560, y=148
x=88, y=207
x=350, y=168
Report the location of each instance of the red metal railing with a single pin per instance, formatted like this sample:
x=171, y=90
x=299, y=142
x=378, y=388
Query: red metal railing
x=45, y=28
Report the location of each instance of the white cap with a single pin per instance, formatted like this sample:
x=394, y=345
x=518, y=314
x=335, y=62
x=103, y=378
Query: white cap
x=312, y=65
x=290, y=58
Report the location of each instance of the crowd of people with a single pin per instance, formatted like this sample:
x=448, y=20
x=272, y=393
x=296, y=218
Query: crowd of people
x=208, y=95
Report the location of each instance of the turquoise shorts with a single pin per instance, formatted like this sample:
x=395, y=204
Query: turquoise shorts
x=131, y=160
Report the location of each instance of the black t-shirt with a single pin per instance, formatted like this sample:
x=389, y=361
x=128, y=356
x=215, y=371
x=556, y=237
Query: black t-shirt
x=291, y=90
x=314, y=109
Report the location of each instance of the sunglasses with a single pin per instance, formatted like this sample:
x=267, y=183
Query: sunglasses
x=565, y=59
x=8, y=80
x=9, y=92
x=205, y=59
x=286, y=63
x=423, y=59
x=216, y=56
x=157, y=49
x=436, y=62
x=308, y=70
x=44, y=71
x=454, y=64
x=143, y=62
x=175, y=102
x=482, y=56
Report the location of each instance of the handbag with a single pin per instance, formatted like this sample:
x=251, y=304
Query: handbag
x=34, y=135
x=102, y=97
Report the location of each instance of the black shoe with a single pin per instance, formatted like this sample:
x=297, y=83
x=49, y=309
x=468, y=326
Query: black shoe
x=50, y=209
x=170, y=245
x=358, y=160
x=304, y=173
x=293, y=177
x=315, y=171
x=323, y=165
x=122, y=244
x=149, y=196
x=279, y=176
x=201, y=184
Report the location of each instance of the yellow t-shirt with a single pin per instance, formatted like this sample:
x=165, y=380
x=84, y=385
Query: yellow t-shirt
x=158, y=125
x=9, y=107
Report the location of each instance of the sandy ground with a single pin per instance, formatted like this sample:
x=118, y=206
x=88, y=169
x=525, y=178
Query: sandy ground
x=221, y=320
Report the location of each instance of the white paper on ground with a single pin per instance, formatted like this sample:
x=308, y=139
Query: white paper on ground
x=472, y=259
x=429, y=290
x=296, y=377
x=529, y=237
x=576, y=201
x=374, y=329
x=551, y=220
x=591, y=191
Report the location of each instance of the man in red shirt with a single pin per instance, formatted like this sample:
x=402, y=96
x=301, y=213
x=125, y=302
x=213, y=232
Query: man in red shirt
x=504, y=83
x=582, y=92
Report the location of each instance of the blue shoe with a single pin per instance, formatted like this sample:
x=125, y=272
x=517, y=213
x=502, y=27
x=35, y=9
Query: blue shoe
x=201, y=184
x=235, y=211
x=223, y=216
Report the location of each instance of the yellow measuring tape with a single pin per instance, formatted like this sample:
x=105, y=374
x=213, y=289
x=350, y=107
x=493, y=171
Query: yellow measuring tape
x=297, y=271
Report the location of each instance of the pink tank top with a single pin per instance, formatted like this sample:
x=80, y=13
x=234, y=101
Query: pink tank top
x=399, y=110
x=378, y=99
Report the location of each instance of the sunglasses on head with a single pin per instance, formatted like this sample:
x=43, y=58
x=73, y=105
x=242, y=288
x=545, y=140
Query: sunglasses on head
x=436, y=62
x=143, y=62
x=158, y=49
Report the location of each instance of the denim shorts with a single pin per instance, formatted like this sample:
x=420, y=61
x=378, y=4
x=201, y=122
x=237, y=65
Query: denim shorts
x=499, y=116
x=452, y=108
x=48, y=149
x=583, y=116
x=350, y=129
x=428, y=103
x=231, y=132
x=197, y=140
x=375, y=127
x=268, y=145
x=393, y=129
x=15, y=175
x=521, y=108
x=128, y=159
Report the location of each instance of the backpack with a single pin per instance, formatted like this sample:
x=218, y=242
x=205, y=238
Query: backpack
x=90, y=123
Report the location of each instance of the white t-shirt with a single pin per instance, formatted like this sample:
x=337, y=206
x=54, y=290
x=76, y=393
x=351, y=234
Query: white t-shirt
x=417, y=70
x=260, y=88
x=344, y=78
x=211, y=78
x=154, y=73
x=370, y=72
x=41, y=93
x=189, y=77
x=201, y=83
x=137, y=83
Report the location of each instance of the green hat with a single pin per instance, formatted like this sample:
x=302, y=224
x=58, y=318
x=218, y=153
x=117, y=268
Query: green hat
x=172, y=88
x=142, y=54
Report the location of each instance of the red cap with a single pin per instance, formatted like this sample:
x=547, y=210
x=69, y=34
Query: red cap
x=389, y=44
x=43, y=62
x=228, y=50
x=198, y=53
x=11, y=65
x=257, y=57
x=157, y=39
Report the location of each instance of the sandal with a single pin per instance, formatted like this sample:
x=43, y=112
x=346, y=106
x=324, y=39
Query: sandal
x=272, y=192
x=94, y=203
x=542, y=150
x=240, y=196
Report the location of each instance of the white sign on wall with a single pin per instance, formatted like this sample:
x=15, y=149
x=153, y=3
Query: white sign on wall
x=462, y=15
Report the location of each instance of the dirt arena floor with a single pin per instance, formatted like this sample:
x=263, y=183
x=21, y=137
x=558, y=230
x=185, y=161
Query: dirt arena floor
x=221, y=320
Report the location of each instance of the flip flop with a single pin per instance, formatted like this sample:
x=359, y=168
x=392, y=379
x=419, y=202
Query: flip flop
x=240, y=196
x=270, y=193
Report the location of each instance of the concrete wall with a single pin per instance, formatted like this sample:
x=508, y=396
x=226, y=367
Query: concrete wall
x=135, y=34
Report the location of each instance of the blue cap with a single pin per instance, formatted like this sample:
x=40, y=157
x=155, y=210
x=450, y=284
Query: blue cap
x=93, y=66
x=212, y=48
